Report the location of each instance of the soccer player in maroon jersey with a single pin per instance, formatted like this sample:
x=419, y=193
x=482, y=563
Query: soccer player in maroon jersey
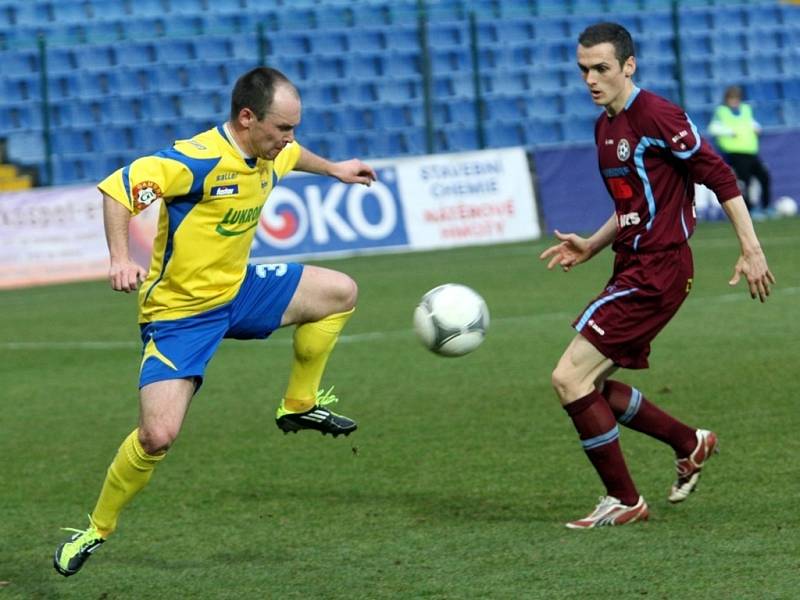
x=650, y=156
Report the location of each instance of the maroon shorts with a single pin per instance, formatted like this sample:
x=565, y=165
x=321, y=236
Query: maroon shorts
x=643, y=294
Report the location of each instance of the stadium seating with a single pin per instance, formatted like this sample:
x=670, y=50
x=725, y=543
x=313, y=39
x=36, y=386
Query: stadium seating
x=117, y=68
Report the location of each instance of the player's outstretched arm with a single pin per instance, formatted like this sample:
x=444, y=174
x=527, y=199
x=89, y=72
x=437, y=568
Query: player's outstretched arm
x=573, y=249
x=347, y=171
x=123, y=273
x=751, y=263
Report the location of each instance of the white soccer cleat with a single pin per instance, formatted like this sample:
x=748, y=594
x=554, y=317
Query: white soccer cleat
x=610, y=512
x=689, y=468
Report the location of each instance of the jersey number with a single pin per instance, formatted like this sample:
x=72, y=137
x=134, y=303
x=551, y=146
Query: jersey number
x=278, y=269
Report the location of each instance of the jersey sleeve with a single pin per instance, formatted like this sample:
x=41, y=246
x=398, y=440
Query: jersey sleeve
x=146, y=180
x=679, y=135
x=287, y=159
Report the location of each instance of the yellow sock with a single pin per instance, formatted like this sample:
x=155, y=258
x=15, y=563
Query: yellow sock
x=313, y=343
x=129, y=472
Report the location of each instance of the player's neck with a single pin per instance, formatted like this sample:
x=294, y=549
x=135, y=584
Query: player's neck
x=235, y=138
x=621, y=101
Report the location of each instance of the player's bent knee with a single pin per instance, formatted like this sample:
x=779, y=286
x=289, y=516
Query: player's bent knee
x=346, y=292
x=157, y=440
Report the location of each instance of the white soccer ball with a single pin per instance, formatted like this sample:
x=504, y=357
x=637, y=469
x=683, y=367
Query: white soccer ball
x=451, y=319
x=786, y=206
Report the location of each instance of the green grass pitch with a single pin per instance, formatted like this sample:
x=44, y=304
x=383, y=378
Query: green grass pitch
x=462, y=473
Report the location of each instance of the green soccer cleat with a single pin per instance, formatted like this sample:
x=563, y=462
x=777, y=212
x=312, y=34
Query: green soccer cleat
x=71, y=555
x=318, y=417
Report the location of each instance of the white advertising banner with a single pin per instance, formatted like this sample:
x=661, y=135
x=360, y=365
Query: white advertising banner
x=469, y=198
x=51, y=235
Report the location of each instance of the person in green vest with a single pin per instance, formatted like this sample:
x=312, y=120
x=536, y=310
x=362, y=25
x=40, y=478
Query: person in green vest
x=736, y=134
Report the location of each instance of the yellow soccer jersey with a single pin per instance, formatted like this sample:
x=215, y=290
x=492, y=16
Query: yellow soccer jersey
x=212, y=200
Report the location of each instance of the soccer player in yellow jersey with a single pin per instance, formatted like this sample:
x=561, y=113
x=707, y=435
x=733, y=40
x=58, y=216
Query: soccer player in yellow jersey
x=200, y=288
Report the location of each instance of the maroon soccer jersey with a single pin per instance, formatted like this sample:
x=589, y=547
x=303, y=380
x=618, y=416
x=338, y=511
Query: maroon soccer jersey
x=650, y=156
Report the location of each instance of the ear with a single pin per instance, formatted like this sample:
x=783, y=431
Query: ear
x=629, y=68
x=246, y=118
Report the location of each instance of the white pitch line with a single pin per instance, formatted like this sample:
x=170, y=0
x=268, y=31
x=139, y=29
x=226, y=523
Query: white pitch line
x=371, y=336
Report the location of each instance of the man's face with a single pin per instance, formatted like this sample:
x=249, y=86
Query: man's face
x=267, y=137
x=608, y=82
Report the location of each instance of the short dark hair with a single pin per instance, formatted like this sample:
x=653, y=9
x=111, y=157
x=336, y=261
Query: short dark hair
x=256, y=90
x=613, y=33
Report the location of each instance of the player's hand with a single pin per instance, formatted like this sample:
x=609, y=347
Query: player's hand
x=354, y=171
x=125, y=276
x=753, y=266
x=571, y=251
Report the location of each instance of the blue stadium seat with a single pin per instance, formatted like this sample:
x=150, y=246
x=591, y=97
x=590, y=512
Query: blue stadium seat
x=761, y=15
x=765, y=65
x=513, y=9
x=765, y=40
x=143, y=29
x=173, y=78
x=398, y=90
x=59, y=60
x=62, y=87
x=729, y=68
x=214, y=48
x=731, y=43
x=695, y=20
x=542, y=132
x=356, y=93
x=148, y=8
x=185, y=26
x=290, y=43
x=547, y=80
x=203, y=106
x=445, y=61
x=458, y=138
x=654, y=48
x=505, y=108
x=164, y=108
x=112, y=139
x=329, y=15
x=364, y=66
x=327, y=68
x=791, y=88
x=31, y=13
x=68, y=142
x=329, y=42
x=790, y=15
x=579, y=130
x=508, y=82
x=543, y=105
x=552, y=28
x=696, y=45
x=504, y=134
x=137, y=54
x=401, y=64
x=95, y=57
x=175, y=51
x=20, y=89
x=380, y=14
x=188, y=7
x=20, y=64
x=515, y=32
x=461, y=112
x=91, y=113
x=446, y=10
x=134, y=81
x=447, y=35
x=791, y=111
x=366, y=40
x=487, y=32
x=699, y=93
x=697, y=69
x=25, y=147
x=655, y=23
x=396, y=116
x=578, y=103
x=217, y=23
x=70, y=12
x=769, y=114
x=763, y=90
x=128, y=111
x=402, y=38
x=730, y=18
x=21, y=117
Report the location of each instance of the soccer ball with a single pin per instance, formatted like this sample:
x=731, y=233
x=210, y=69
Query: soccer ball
x=785, y=206
x=451, y=319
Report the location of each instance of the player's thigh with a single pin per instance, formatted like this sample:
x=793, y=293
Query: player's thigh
x=321, y=292
x=579, y=369
x=162, y=408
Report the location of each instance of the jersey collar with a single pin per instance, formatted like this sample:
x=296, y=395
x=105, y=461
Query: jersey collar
x=632, y=97
x=225, y=132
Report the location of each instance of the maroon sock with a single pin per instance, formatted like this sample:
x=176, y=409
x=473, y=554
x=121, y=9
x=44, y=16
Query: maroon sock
x=633, y=410
x=599, y=434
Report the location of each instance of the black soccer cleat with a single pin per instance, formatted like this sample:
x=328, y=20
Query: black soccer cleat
x=318, y=417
